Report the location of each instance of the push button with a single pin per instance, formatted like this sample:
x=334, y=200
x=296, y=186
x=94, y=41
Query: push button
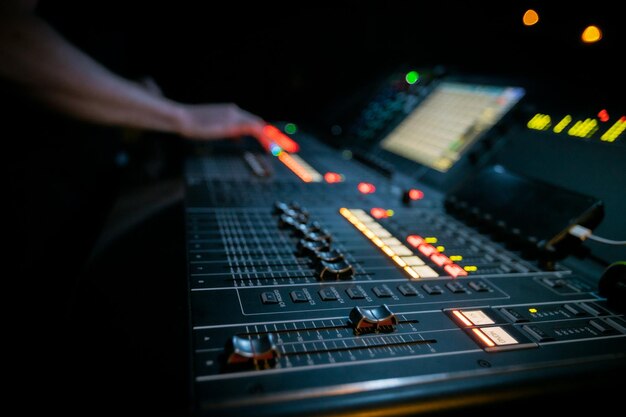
x=327, y=294
x=537, y=333
x=512, y=315
x=269, y=297
x=574, y=310
x=382, y=292
x=355, y=293
x=478, y=286
x=432, y=289
x=407, y=290
x=298, y=296
x=456, y=287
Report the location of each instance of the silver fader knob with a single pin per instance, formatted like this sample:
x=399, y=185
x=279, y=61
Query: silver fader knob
x=258, y=351
x=372, y=319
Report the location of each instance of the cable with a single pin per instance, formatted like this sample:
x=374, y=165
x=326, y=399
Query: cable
x=583, y=233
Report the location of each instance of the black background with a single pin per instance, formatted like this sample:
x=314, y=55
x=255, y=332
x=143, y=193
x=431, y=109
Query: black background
x=296, y=62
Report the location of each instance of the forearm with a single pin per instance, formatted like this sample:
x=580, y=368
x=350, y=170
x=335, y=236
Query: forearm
x=47, y=67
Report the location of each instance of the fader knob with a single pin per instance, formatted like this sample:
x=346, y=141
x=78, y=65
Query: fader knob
x=310, y=247
x=256, y=351
x=339, y=270
x=372, y=319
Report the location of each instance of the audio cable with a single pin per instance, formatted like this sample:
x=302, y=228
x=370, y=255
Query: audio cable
x=584, y=233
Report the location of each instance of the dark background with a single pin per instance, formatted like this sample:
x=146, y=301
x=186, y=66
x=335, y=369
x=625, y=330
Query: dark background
x=296, y=62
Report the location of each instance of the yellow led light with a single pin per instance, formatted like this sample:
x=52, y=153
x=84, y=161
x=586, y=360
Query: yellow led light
x=399, y=261
x=388, y=251
x=360, y=226
x=532, y=310
x=390, y=213
x=430, y=239
x=456, y=258
x=462, y=318
x=539, y=122
x=369, y=234
x=441, y=248
x=471, y=268
x=376, y=241
x=483, y=337
x=614, y=131
x=562, y=124
x=411, y=272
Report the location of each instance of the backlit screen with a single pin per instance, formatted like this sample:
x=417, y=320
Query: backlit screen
x=439, y=130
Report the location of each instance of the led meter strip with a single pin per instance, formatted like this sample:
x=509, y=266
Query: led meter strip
x=404, y=258
x=299, y=167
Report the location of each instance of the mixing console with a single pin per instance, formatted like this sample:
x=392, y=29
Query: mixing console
x=319, y=283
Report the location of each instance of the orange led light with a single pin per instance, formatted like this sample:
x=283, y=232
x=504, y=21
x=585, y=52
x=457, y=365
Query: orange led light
x=461, y=318
x=282, y=140
x=530, y=17
x=415, y=240
x=488, y=342
x=591, y=34
x=366, y=188
x=379, y=213
x=415, y=194
x=411, y=272
x=399, y=261
x=388, y=251
x=294, y=166
x=333, y=177
x=603, y=115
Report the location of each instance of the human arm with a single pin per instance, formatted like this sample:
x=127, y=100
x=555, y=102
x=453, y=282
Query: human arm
x=47, y=67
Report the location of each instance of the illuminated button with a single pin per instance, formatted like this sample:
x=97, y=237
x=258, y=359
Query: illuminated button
x=409, y=270
x=355, y=293
x=575, y=310
x=425, y=271
x=379, y=213
x=382, y=292
x=455, y=270
x=415, y=240
x=537, y=333
x=407, y=290
x=401, y=250
x=456, y=287
x=513, y=315
x=413, y=260
x=478, y=286
x=432, y=289
x=298, y=296
x=327, y=294
x=477, y=317
x=427, y=249
x=361, y=215
x=269, y=297
x=392, y=241
x=439, y=259
x=366, y=320
x=499, y=336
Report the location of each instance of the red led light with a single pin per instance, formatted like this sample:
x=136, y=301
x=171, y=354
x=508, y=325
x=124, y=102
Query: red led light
x=603, y=115
x=282, y=140
x=415, y=240
x=333, y=177
x=427, y=249
x=379, y=213
x=440, y=259
x=455, y=270
x=622, y=119
x=415, y=194
x=366, y=188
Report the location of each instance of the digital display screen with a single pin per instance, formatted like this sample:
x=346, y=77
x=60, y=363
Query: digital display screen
x=449, y=120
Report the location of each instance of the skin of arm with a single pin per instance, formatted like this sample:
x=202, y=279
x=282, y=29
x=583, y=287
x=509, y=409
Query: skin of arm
x=47, y=67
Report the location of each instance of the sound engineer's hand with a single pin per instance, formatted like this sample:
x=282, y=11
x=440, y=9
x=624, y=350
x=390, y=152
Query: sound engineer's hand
x=214, y=121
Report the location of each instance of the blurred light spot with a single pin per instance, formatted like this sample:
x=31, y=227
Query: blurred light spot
x=412, y=77
x=591, y=34
x=530, y=17
x=291, y=128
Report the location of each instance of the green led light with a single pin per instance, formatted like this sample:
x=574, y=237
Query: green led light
x=412, y=77
x=291, y=128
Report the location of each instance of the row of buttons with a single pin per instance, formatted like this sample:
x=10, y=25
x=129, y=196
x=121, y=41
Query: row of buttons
x=403, y=257
x=380, y=291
